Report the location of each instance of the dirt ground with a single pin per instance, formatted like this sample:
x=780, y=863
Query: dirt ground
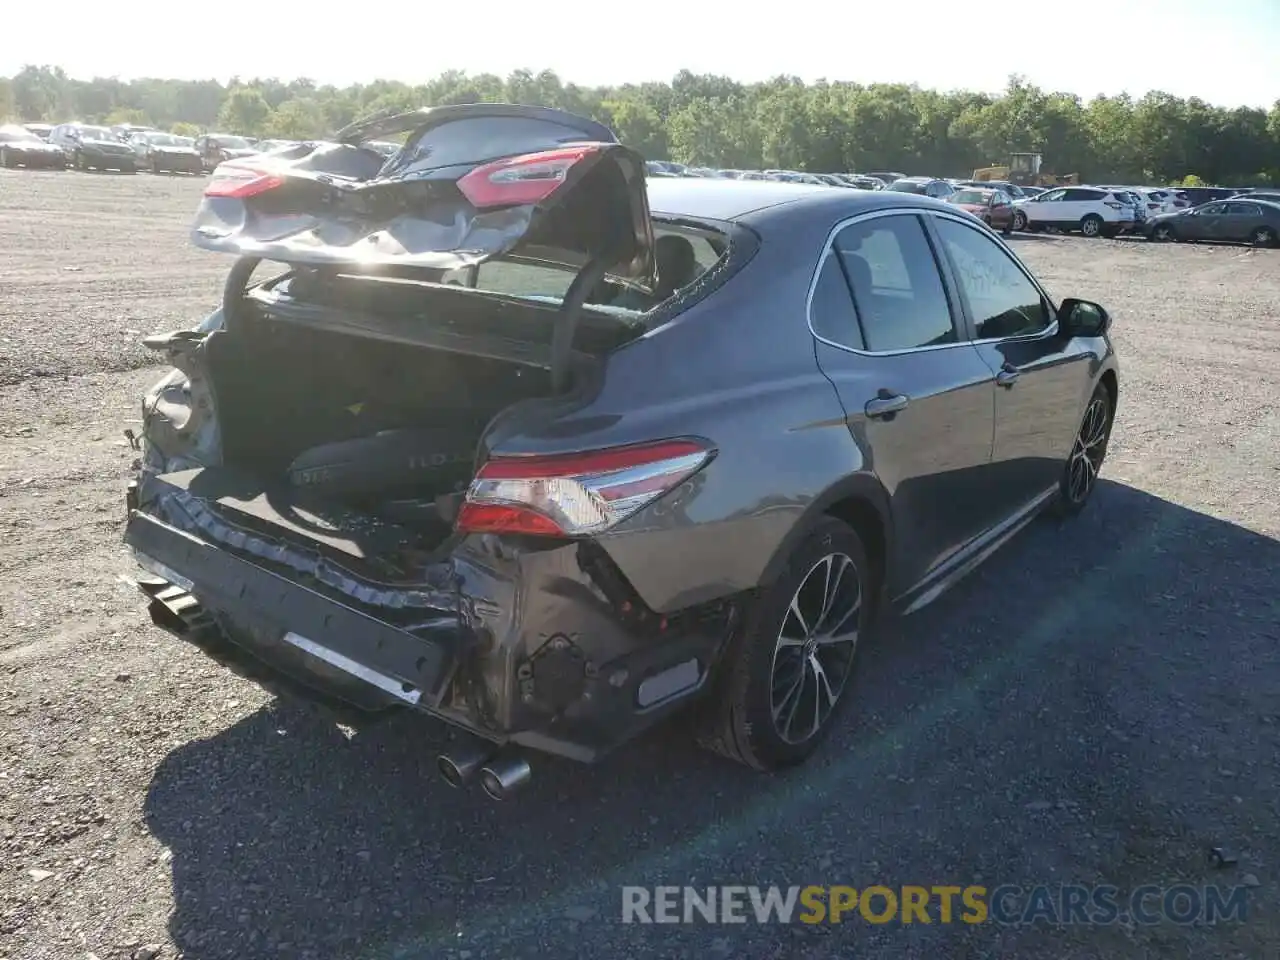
x=1096, y=705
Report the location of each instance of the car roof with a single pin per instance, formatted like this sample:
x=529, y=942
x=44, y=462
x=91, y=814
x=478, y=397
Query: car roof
x=733, y=200
x=725, y=199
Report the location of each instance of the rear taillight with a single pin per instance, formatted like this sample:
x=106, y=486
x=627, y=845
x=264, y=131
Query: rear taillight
x=522, y=180
x=1114, y=204
x=232, y=180
x=576, y=494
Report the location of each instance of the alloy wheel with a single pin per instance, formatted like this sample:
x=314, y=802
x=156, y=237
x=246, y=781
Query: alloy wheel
x=1019, y=220
x=814, y=653
x=1163, y=233
x=1262, y=237
x=1090, y=227
x=1089, y=450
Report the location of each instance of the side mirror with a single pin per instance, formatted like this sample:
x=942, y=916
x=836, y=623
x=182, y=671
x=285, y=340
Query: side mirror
x=1082, y=318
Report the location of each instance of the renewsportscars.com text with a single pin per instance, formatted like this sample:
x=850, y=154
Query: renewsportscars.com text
x=1008, y=904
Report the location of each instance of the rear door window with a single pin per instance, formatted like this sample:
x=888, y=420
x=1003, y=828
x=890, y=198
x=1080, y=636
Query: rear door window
x=897, y=289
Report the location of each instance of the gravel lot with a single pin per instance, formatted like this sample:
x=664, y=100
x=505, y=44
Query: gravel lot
x=1097, y=705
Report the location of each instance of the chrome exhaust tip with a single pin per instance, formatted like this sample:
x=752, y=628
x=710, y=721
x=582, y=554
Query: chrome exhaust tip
x=504, y=775
x=458, y=769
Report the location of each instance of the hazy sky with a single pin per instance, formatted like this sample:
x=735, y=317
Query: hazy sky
x=1227, y=52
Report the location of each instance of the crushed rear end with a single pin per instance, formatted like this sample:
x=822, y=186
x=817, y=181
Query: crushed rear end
x=324, y=500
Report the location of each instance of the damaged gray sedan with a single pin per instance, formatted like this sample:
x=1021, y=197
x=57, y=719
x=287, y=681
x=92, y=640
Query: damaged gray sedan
x=513, y=439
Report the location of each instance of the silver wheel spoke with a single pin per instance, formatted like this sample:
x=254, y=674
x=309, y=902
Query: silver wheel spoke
x=1088, y=451
x=814, y=648
x=794, y=611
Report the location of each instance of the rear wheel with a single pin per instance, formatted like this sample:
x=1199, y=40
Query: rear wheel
x=1264, y=237
x=1163, y=233
x=80, y=161
x=1019, y=220
x=1091, y=225
x=786, y=670
x=5, y=159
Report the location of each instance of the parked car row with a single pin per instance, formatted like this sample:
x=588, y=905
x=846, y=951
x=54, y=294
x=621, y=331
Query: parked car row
x=123, y=147
x=1104, y=210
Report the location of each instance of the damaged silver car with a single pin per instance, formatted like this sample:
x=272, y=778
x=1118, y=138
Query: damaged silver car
x=497, y=442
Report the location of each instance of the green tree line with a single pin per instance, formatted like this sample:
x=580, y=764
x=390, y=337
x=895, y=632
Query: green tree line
x=715, y=121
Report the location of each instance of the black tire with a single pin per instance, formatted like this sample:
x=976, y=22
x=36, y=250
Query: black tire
x=79, y=161
x=738, y=721
x=1007, y=229
x=1087, y=454
x=1019, y=220
x=5, y=160
x=155, y=167
x=1264, y=237
x=1091, y=225
x=1163, y=233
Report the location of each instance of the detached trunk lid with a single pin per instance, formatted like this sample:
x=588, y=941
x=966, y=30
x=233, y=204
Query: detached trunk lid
x=471, y=183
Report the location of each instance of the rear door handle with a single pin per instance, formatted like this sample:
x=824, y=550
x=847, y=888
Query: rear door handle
x=886, y=404
x=1007, y=377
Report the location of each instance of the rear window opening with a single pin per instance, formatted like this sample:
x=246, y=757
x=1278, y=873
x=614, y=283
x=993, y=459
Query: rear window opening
x=684, y=254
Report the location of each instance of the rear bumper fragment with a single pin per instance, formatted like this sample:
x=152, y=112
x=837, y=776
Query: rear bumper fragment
x=411, y=668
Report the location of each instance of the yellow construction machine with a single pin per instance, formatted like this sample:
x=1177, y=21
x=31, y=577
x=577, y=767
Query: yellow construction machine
x=1024, y=170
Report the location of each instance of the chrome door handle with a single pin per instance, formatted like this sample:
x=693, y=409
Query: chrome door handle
x=886, y=404
x=1007, y=377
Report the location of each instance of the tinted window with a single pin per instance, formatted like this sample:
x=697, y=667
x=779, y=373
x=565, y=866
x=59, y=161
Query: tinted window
x=906, y=186
x=1076, y=196
x=1244, y=210
x=1213, y=209
x=831, y=311
x=896, y=286
x=1052, y=195
x=1003, y=301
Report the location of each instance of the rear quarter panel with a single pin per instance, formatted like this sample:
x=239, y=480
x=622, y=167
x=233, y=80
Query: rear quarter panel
x=739, y=370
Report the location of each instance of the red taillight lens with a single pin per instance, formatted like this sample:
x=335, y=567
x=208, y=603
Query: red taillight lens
x=1114, y=205
x=576, y=494
x=521, y=180
x=240, y=182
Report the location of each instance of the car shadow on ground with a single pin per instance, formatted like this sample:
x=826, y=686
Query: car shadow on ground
x=1048, y=674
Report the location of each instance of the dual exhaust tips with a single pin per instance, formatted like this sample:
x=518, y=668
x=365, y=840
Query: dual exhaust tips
x=500, y=774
